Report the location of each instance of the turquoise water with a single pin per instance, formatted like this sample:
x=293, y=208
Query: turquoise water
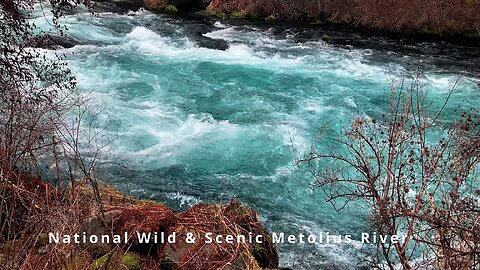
x=194, y=125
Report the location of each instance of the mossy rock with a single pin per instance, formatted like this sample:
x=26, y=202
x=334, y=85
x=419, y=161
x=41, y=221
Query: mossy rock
x=222, y=220
x=213, y=12
x=237, y=15
x=131, y=261
x=160, y=6
x=118, y=261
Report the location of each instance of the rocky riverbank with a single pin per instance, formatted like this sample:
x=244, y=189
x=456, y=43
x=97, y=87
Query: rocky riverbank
x=426, y=18
x=87, y=236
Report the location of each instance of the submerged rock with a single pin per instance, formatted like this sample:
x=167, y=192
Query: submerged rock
x=52, y=42
x=210, y=43
x=197, y=32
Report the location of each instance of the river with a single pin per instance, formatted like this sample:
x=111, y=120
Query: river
x=194, y=124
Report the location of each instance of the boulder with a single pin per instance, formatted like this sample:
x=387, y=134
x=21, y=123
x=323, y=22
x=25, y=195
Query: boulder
x=197, y=32
x=155, y=218
x=97, y=226
x=233, y=219
x=200, y=256
x=118, y=220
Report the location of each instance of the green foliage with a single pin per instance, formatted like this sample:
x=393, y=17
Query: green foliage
x=217, y=13
x=97, y=264
x=258, y=250
x=237, y=15
x=117, y=261
x=42, y=240
x=171, y=9
x=131, y=261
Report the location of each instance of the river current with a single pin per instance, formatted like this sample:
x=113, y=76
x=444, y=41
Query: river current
x=194, y=124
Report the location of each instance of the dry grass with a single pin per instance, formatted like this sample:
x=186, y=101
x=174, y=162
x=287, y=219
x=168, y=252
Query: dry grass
x=432, y=16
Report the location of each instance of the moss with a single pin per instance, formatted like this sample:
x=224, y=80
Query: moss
x=237, y=15
x=131, y=261
x=428, y=31
x=472, y=35
x=171, y=9
x=113, y=197
x=160, y=6
x=246, y=260
x=127, y=260
x=42, y=241
x=97, y=264
x=216, y=13
x=257, y=250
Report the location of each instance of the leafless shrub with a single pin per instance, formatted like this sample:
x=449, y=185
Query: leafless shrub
x=416, y=183
x=38, y=101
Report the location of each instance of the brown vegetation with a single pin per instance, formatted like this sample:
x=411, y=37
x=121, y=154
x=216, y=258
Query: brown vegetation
x=28, y=248
x=431, y=16
x=232, y=219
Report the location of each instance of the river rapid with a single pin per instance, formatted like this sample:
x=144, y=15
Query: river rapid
x=195, y=124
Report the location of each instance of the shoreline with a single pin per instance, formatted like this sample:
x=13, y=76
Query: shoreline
x=123, y=6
